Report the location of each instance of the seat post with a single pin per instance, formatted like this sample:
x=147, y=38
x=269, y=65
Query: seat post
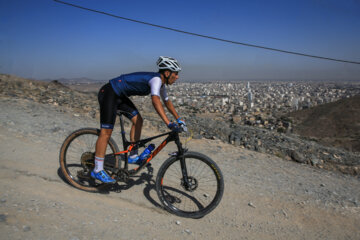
x=123, y=133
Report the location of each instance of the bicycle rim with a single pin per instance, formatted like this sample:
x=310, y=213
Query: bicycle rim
x=77, y=158
x=201, y=197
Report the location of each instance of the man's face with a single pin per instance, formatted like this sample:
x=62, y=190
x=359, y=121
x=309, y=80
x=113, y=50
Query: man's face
x=173, y=77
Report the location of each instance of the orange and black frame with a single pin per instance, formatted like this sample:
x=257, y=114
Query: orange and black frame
x=122, y=173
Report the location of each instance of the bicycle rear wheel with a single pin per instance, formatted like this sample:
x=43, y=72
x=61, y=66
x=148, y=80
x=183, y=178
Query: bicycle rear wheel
x=77, y=156
x=205, y=190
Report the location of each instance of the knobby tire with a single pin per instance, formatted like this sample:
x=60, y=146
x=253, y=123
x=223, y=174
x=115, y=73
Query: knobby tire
x=78, y=144
x=207, y=191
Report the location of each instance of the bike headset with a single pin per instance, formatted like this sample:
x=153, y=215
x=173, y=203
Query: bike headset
x=168, y=63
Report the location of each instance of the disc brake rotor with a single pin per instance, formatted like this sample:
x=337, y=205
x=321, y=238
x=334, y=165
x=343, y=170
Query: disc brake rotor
x=193, y=184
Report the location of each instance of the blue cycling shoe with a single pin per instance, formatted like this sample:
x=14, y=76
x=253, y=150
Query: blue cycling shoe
x=102, y=176
x=134, y=159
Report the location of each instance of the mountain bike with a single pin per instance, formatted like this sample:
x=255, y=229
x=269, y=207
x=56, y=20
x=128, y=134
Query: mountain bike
x=188, y=184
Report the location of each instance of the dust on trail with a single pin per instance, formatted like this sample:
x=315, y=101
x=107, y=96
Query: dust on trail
x=265, y=197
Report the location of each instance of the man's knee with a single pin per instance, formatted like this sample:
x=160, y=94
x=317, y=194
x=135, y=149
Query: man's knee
x=105, y=133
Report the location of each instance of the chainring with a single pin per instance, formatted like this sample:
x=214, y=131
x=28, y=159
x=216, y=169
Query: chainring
x=123, y=175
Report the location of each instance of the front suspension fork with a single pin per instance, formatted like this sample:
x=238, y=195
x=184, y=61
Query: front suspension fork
x=180, y=155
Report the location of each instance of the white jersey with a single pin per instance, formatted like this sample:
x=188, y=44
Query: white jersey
x=158, y=89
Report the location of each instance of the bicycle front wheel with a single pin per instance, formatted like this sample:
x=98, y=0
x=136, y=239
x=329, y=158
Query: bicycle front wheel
x=202, y=193
x=77, y=156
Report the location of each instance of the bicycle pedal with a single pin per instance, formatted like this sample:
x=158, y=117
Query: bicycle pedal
x=149, y=168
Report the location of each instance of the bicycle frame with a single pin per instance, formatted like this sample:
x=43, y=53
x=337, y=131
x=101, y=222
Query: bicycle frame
x=128, y=146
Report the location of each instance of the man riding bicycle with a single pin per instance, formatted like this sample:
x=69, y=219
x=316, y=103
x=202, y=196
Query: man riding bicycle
x=114, y=95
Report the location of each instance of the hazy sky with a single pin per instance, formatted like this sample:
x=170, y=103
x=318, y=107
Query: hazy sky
x=44, y=39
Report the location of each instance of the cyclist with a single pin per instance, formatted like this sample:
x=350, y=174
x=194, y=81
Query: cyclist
x=114, y=95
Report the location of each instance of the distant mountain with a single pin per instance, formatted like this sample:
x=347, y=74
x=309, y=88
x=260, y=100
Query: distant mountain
x=71, y=81
x=333, y=124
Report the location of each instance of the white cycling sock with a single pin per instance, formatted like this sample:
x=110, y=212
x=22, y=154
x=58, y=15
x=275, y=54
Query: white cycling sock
x=99, y=164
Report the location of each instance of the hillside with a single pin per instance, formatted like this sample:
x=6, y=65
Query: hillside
x=286, y=146
x=297, y=201
x=333, y=124
x=53, y=93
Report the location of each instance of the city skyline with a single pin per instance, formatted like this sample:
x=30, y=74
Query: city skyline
x=48, y=40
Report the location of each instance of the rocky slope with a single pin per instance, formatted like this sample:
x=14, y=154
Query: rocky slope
x=287, y=146
x=333, y=124
x=265, y=197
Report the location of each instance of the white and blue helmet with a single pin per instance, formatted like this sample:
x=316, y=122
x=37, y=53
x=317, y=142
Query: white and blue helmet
x=168, y=63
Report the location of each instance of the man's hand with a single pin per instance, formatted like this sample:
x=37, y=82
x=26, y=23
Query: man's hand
x=182, y=124
x=174, y=127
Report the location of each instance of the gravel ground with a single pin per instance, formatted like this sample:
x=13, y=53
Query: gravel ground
x=265, y=197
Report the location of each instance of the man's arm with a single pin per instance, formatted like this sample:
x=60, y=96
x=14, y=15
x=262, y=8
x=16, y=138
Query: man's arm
x=159, y=109
x=171, y=108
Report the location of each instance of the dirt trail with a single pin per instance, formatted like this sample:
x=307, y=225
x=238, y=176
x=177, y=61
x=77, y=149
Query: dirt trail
x=265, y=197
